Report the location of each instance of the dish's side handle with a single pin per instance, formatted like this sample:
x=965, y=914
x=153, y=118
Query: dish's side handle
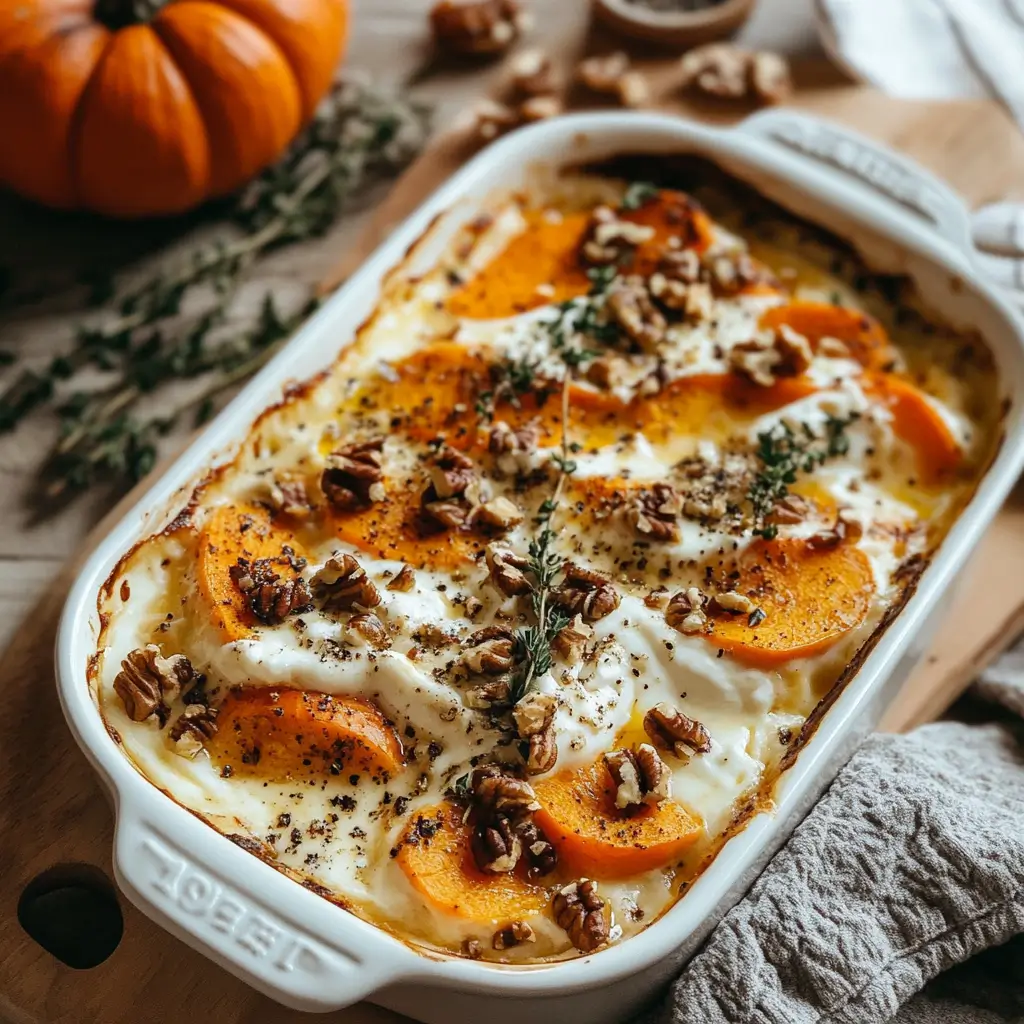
x=223, y=903
x=901, y=182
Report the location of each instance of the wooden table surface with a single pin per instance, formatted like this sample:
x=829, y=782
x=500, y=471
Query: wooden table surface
x=389, y=40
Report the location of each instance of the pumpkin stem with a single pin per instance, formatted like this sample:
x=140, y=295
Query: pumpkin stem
x=117, y=14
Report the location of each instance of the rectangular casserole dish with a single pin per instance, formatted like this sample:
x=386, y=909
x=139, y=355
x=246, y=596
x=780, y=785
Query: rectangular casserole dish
x=302, y=950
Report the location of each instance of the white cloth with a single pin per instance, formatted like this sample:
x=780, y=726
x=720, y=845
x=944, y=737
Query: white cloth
x=931, y=49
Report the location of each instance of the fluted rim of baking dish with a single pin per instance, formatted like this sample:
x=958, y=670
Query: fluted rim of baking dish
x=771, y=145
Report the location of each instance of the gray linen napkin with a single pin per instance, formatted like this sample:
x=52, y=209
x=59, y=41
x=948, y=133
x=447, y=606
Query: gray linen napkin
x=898, y=897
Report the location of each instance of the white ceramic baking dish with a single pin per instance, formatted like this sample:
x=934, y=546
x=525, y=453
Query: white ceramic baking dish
x=304, y=951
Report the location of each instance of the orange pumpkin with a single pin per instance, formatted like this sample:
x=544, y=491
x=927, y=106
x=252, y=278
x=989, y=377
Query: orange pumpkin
x=145, y=107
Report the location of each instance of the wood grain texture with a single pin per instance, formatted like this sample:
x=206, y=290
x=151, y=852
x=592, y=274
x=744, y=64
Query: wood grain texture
x=53, y=809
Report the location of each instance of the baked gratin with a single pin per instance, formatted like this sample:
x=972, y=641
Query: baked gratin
x=494, y=632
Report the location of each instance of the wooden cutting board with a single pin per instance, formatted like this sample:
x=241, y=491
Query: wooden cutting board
x=54, y=814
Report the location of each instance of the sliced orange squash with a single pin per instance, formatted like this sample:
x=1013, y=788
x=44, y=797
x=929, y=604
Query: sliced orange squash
x=435, y=855
x=287, y=732
x=229, y=533
x=811, y=596
x=864, y=337
x=593, y=837
x=916, y=421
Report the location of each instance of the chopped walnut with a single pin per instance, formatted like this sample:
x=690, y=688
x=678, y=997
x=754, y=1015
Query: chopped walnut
x=731, y=272
x=513, y=448
x=496, y=792
x=147, y=681
x=571, y=641
x=453, y=489
x=611, y=75
x=670, y=729
x=540, y=108
x=655, y=514
x=640, y=776
x=271, y=598
x=287, y=495
x=404, y=580
x=342, y=584
x=533, y=714
x=629, y=304
x=607, y=372
x=507, y=570
x=194, y=726
x=685, y=611
x=514, y=934
x=609, y=238
x=367, y=630
x=833, y=348
x=844, y=528
x=499, y=513
x=540, y=855
x=543, y=752
x=734, y=601
x=496, y=845
x=790, y=510
x=477, y=26
x=762, y=360
x=729, y=72
x=532, y=73
x=487, y=119
x=450, y=513
x=471, y=949
x=580, y=911
x=353, y=475
x=585, y=592
x=489, y=651
x=493, y=695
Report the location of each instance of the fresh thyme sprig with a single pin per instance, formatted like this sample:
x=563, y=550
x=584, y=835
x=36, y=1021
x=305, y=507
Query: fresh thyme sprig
x=177, y=325
x=783, y=454
x=532, y=650
x=638, y=194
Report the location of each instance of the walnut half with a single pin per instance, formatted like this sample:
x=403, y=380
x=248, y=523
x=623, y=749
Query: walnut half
x=671, y=730
x=580, y=911
x=477, y=26
x=147, y=681
x=195, y=725
x=640, y=776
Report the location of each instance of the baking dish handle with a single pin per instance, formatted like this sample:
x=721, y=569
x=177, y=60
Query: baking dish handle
x=184, y=882
x=901, y=182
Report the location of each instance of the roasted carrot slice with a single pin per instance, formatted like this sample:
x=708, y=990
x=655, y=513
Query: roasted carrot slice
x=545, y=255
x=434, y=852
x=864, y=337
x=916, y=421
x=810, y=595
x=232, y=532
x=287, y=732
x=578, y=815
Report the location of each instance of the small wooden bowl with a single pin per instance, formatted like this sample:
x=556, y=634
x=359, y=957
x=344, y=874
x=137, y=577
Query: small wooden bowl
x=681, y=29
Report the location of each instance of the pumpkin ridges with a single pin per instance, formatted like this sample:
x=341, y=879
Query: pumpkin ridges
x=310, y=33
x=45, y=68
x=139, y=143
x=243, y=86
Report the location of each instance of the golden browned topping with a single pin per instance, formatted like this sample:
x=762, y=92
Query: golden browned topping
x=476, y=26
x=147, y=682
x=655, y=513
x=630, y=306
x=500, y=514
x=507, y=570
x=609, y=238
x=580, y=911
x=534, y=716
x=353, y=475
x=367, y=630
x=404, y=580
x=585, y=592
x=342, y=584
x=571, y=641
x=685, y=611
x=532, y=73
x=271, y=597
x=193, y=727
x=640, y=776
x=670, y=729
x=489, y=651
x=514, y=934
